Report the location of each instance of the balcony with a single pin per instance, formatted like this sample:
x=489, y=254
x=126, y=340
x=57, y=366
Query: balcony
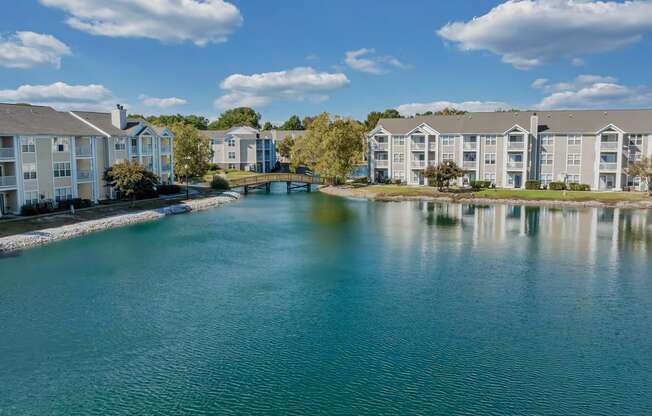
x=513, y=164
x=610, y=145
x=7, y=153
x=418, y=164
x=83, y=151
x=166, y=148
x=470, y=164
x=418, y=146
x=166, y=167
x=382, y=147
x=608, y=166
x=147, y=150
x=470, y=145
x=382, y=163
x=432, y=146
x=7, y=181
x=514, y=145
x=84, y=175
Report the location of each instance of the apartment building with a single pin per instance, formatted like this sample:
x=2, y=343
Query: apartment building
x=592, y=147
x=52, y=155
x=246, y=148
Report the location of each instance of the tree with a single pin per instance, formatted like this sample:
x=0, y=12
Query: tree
x=191, y=149
x=130, y=178
x=375, y=116
x=307, y=120
x=293, y=123
x=269, y=126
x=330, y=147
x=642, y=169
x=241, y=116
x=449, y=111
x=441, y=174
x=285, y=146
x=199, y=122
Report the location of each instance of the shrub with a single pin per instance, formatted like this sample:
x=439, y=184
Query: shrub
x=480, y=184
x=168, y=189
x=579, y=187
x=398, y=182
x=557, y=186
x=220, y=184
x=533, y=184
x=362, y=179
x=213, y=167
x=388, y=181
x=28, y=210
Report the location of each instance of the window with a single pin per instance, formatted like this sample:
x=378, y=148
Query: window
x=399, y=140
x=29, y=171
x=447, y=140
x=398, y=157
x=573, y=179
x=634, y=155
x=61, y=144
x=399, y=174
x=232, y=166
x=446, y=156
x=633, y=181
x=546, y=178
x=489, y=158
x=216, y=141
x=120, y=144
x=574, y=140
x=27, y=145
x=62, y=169
x=490, y=140
x=635, y=139
x=62, y=194
x=574, y=159
x=490, y=176
x=547, y=140
x=230, y=142
x=546, y=158
x=31, y=197
x=231, y=155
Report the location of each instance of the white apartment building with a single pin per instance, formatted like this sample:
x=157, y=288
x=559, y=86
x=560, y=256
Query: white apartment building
x=52, y=155
x=246, y=148
x=591, y=147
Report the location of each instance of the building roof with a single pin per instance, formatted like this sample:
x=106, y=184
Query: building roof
x=23, y=119
x=273, y=134
x=102, y=121
x=568, y=121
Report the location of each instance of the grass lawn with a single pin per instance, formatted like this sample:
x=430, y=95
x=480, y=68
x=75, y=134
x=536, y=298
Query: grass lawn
x=231, y=174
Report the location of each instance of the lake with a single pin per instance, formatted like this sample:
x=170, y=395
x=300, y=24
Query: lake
x=310, y=304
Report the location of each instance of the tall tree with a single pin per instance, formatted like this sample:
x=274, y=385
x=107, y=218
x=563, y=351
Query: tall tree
x=285, y=146
x=269, y=126
x=192, y=151
x=642, y=169
x=441, y=174
x=293, y=123
x=373, y=117
x=307, y=120
x=449, y=111
x=130, y=178
x=241, y=116
x=198, y=122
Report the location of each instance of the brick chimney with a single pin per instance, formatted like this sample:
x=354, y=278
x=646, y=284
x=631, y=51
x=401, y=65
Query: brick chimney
x=119, y=117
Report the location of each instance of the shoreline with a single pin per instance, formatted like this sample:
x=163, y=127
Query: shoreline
x=351, y=192
x=37, y=238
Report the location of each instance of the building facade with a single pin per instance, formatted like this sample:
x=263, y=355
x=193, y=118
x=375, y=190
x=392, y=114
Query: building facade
x=51, y=155
x=591, y=147
x=246, y=148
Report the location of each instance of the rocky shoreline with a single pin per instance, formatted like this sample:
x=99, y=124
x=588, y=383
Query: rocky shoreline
x=350, y=192
x=49, y=235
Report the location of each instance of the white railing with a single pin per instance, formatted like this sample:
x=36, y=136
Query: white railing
x=382, y=146
x=83, y=151
x=432, y=146
x=515, y=145
x=469, y=164
x=166, y=148
x=609, y=145
x=7, y=153
x=514, y=165
x=418, y=146
x=84, y=175
x=382, y=163
x=470, y=145
x=418, y=164
x=7, y=181
x=608, y=166
x=146, y=150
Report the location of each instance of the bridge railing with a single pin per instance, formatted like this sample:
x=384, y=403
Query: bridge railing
x=279, y=177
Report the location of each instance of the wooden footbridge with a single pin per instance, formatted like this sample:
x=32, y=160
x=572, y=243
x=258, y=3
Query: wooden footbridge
x=294, y=181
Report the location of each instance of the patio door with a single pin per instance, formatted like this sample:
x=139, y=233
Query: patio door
x=2, y=205
x=607, y=182
x=517, y=181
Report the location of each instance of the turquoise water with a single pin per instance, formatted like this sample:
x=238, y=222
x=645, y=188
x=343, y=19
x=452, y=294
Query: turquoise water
x=312, y=305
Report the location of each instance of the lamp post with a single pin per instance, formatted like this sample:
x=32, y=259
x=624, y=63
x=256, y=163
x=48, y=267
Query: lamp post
x=186, y=167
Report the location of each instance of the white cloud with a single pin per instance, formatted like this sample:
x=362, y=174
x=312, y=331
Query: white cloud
x=62, y=96
x=539, y=83
x=199, y=21
x=298, y=84
x=414, y=108
x=594, y=91
x=528, y=33
x=28, y=49
x=161, y=102
x=364, y=60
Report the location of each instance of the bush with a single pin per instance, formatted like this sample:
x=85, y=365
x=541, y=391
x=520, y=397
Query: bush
x=398, y=182
x=29, y=210
x=533, y=184
x=220, y=184
x=579, y=187
x=213, y=167
x=168, y=189
x=362, y=179
x=557, y=186
x=480, y=184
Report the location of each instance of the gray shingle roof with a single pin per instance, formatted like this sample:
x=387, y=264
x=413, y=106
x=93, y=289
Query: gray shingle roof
x=101, y=121
x=17, y=119
x=568, y=121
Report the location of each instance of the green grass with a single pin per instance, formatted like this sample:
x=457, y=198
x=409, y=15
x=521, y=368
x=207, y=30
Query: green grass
x=230, y=174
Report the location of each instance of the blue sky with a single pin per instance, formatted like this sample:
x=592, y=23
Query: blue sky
x=304, y=57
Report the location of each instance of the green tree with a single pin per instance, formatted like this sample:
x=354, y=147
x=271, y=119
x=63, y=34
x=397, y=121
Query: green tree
x=307, y=120
x=130, y=178
x=373, y=117
x=285, y=146
x=642, y=169
x=293, y=123
x=441, y=174
x=241, y=116
x=449, y=111
x=330, y=147
x=199, y=122
x=269, y=126
x=192, y=151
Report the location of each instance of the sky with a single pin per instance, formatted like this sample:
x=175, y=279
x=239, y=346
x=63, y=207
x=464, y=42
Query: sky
x=285, y=57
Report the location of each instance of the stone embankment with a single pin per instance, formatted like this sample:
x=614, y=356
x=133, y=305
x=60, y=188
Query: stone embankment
x=49, y=235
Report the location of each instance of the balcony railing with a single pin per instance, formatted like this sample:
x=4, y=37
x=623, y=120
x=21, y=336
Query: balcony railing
x=165, y=167
x=6, y=181
x=382, y=163
x=84, y=175
x=432, y=146
x=418, y=164
x=470, y=145
x=469, y=164
x=609, y=145
x=83, y=151
x=146, y=150
x=418, y=146
x=166, y=148
x=382, y=146
x=7, y=153
x=514, y=165
x=515, y=145
x=608, y=165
